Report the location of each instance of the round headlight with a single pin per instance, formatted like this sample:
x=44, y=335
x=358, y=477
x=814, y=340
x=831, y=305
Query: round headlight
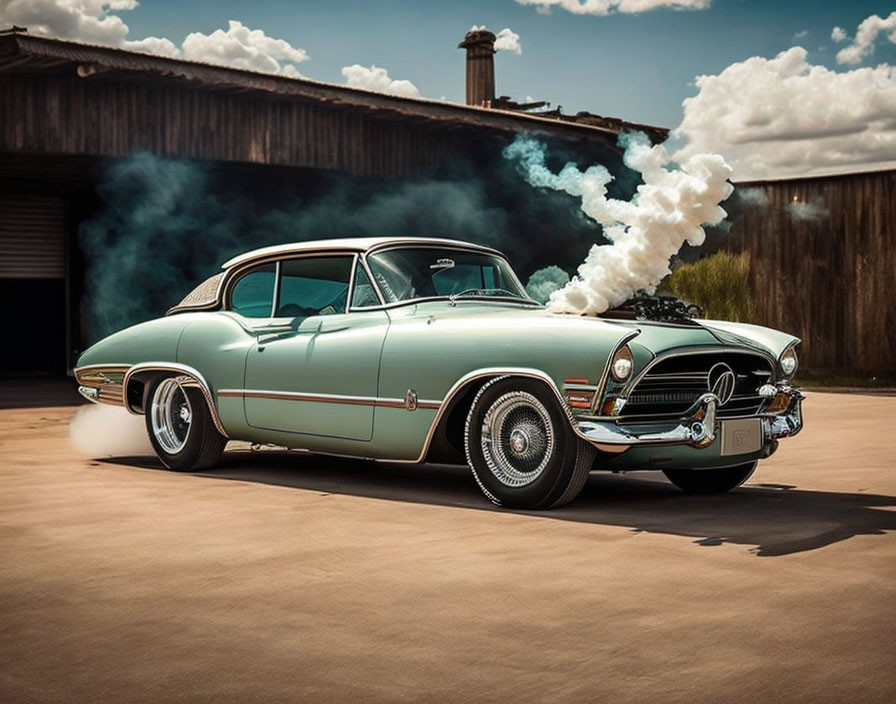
x=789, y=362
x=622, y=364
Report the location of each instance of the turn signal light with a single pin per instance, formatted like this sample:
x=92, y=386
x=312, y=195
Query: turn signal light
x=780, y=404
x=612, y=406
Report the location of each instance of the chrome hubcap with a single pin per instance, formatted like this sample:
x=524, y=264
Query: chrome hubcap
x=519, y=441
x=517, y=438
x=171, y=416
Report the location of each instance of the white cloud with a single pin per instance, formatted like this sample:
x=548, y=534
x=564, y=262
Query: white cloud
x=863, y=44
x=377, y=79
x=152, y=45
x=609, y=7
x=96, y=22
x=786, y=117
x=87, y=20
x=838, y=34
x=242, y=47
x=508, y=40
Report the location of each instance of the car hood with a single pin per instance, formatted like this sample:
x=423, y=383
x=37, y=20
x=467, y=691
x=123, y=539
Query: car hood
x=655, y=337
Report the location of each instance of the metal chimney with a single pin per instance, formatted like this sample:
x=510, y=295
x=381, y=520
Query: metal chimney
x=480, y=46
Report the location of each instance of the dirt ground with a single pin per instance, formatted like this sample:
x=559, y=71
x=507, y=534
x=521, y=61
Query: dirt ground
x=279, y=577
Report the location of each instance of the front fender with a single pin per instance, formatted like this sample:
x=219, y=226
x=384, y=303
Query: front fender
x=773, y=341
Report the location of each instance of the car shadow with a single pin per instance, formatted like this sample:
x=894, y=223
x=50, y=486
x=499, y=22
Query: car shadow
x=772, y=519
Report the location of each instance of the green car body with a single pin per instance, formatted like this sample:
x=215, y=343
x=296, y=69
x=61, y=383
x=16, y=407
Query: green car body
x=394, y=380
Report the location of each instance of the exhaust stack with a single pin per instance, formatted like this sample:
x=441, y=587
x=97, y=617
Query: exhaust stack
x=480, y=46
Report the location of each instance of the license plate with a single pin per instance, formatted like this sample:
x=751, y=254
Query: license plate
x=740, y=437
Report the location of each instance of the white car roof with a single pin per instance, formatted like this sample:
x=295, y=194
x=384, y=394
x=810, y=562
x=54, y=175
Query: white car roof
x=350, y=244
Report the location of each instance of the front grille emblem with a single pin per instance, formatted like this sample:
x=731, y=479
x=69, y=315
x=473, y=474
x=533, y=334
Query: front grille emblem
x=721, y=381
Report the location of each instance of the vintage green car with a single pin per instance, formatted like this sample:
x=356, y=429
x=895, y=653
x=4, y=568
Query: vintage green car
x=429, y=350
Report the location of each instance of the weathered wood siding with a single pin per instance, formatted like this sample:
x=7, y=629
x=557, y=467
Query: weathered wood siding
x=829, y=276
x=62, y=114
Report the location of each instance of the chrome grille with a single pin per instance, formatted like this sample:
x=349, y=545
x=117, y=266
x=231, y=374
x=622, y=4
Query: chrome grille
x=674, y=384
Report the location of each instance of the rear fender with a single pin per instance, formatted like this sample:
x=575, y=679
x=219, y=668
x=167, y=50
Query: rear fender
x=187, y=376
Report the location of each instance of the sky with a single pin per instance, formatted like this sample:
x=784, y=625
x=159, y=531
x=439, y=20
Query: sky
x=777, y=88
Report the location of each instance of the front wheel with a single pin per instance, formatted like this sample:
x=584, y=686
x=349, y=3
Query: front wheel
x=711, y=481
x=181, y=428
x=521, y=447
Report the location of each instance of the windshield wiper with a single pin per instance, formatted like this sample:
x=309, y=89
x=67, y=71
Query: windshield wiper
x=486, y=292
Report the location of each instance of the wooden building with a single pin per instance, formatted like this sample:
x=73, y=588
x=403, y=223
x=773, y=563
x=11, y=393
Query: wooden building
x=66, y=109
x=823, y=266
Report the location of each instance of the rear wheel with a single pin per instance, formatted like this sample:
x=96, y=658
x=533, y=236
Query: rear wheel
x=521, y=447
x=711, y=481
x=181, y=428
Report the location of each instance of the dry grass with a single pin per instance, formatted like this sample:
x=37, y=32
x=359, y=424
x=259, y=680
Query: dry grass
x=718, y=284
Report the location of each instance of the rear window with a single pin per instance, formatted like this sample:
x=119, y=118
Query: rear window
x=205, y=295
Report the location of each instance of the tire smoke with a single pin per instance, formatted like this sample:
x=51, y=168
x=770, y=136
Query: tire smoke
x=668, y=210
x=106, y=431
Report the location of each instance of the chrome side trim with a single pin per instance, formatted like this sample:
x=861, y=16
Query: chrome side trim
x=83, y=374
x=438, y=406
x=192, y=379
x=375, y=401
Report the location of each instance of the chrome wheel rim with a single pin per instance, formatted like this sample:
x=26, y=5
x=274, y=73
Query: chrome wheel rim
x=517, y=438
x=171, y=415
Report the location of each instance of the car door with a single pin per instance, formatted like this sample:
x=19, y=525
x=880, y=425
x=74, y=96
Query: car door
x=314, y=366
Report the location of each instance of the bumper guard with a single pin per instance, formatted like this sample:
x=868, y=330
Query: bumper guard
x=697, y=428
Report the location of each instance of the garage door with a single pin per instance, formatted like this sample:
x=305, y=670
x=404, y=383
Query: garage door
x=32, y=283
x=32, y=237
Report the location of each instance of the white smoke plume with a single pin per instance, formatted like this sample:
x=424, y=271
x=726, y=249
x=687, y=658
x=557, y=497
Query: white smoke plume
x=668, y=210
x=106, y=431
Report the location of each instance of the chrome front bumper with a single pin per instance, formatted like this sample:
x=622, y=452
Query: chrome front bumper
x=698, y=427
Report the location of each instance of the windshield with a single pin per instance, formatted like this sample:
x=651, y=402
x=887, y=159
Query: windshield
x=427, y=272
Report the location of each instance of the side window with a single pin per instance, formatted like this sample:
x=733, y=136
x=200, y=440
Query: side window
x=363, y=295
x=252, y=294
x=313, y=286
